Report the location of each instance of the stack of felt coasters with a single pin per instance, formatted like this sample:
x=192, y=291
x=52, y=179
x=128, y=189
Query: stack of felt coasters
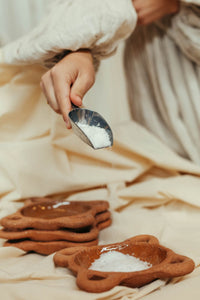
x=45, y=226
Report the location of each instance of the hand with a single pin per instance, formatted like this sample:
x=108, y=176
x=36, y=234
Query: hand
x=152, y=10
x=68, y=81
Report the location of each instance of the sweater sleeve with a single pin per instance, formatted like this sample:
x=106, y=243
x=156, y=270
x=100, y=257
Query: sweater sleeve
x=98, y=25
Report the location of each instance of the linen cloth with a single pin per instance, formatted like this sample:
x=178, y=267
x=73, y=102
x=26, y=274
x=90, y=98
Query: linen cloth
x=161, y=60
x=151, y=190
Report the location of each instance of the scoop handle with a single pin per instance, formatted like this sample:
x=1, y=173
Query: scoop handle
x=74, y=106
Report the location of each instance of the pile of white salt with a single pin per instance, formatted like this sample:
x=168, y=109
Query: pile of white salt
x=114, y=261
x=97, y=135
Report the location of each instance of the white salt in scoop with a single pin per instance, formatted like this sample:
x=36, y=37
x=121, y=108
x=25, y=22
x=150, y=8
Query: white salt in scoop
x=97, y=135
x=114, y=261
x=91, y=127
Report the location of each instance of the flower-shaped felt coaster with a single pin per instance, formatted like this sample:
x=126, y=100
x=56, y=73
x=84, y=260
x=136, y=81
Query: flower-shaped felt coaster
x=105, y=224
x=46, y=248
x=53, y=215
x=164, y=264
x=84, y=234
x=102, y=216
x=103, y=220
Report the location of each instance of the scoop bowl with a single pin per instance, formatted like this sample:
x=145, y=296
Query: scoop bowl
x=79, y=117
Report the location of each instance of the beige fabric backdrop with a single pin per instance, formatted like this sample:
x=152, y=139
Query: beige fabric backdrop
x=150, y=189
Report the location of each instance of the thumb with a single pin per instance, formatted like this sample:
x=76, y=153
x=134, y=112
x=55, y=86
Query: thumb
x=80, y=87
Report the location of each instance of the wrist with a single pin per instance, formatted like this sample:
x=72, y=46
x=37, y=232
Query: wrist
x=86, y=52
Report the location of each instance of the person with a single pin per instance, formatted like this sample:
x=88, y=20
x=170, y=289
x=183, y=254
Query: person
x=162, y=58
x=74, y=75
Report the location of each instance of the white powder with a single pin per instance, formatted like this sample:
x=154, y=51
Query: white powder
x=97, y=135
x=114, y=261
x=60, y=204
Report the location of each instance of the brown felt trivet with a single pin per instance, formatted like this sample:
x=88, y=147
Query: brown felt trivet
x=104, y=224
x=46, y=248
x=54, y=215
x=77, y=235
x=54, y=235
x=103, y=216
x=165, y=264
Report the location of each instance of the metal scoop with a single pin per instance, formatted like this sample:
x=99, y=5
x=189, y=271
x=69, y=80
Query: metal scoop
x=84, y=116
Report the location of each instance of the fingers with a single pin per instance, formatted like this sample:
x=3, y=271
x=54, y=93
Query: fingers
x=139, y=4
x=62, y=91
x=68, y=81
x=56, y=90
x=148, y=19
x=80, y=87
x=150, y=11
x=143, y=10
x=47, y=87
x=145, y=16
